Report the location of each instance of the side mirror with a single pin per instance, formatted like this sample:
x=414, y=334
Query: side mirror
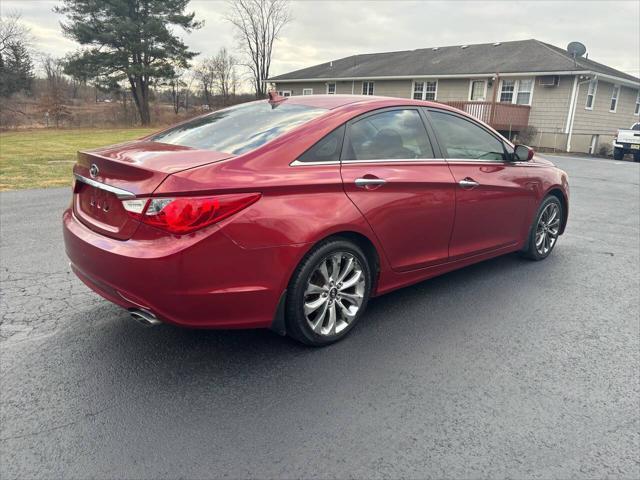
x=523, y=153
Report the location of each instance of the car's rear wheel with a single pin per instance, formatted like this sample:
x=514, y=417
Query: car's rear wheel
x=618, y=154
x=328, y=293
x=545, y=230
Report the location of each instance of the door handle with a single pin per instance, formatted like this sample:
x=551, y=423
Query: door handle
x=468, y=183
x=367, y=182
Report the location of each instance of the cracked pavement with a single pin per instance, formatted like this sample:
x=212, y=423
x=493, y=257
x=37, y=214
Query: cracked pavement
x=505, y=369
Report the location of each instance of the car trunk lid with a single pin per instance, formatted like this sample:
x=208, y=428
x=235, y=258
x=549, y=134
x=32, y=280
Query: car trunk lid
x=105, y=177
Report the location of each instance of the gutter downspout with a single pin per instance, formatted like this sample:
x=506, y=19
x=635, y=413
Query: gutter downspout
x=572, y=108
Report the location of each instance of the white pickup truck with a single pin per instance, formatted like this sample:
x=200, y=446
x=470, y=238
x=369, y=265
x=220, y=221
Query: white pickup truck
x=627, y=141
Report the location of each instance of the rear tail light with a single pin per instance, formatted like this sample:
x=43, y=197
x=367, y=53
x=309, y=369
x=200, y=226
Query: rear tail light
x=182, y=215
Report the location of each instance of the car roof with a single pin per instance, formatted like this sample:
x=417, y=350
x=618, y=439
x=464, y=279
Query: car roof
x=331, y=102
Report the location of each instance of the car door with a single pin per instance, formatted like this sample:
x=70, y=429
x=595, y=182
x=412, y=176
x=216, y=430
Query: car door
x=390, y=173
x=494, y=196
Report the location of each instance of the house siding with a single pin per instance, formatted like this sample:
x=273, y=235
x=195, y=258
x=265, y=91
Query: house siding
x=600, y=121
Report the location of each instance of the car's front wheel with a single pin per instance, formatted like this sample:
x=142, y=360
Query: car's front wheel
x=545, y=230
x=328, y=293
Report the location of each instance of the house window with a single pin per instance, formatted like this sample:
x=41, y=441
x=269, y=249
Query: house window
x=284, y=93
x=425, y=90
x=516, y=91
x=614, y=99
x=331, y=88
x=637, y=110
x=507, y=90
x=524, y=89
x=418, y=90
x=307, y=91
x=367, y=88
x=478, y=90
x=591, y=94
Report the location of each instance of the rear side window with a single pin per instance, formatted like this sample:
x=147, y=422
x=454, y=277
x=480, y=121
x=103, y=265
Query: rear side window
x=394, y=134
x=326, y=150
x=460, y=138
x=241, y=128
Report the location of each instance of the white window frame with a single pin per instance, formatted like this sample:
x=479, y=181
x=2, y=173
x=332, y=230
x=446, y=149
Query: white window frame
x=284, y=93
x=636, y=112
x=423, y=93
x=471, y=89
x=307, y=91
x=513, y=92
x=370, y=90
x=591, y=94
x=335, y=88
x=615, y=96
x=516, y=91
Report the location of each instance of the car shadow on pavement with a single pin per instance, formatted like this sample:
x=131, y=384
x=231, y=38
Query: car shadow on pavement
x=399, y=317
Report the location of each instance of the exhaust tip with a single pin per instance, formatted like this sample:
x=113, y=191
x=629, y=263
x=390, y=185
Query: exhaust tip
x=144, y=317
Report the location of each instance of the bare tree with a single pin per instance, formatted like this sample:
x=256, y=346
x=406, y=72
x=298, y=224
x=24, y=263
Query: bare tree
x=258, y=24
x=16, y=68
x=53, y=102
x=12, y=32
x=205, y=74
x=217, y=76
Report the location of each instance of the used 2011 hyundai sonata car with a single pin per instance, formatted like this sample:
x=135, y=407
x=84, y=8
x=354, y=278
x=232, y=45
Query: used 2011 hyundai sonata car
x=291, y=213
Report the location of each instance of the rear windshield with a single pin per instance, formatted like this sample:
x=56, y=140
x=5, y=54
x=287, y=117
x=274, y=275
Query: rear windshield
x=241, y=128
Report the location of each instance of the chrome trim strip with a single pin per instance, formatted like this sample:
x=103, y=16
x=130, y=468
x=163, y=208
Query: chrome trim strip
x=364, y=182
x=298, y=163
x=398, y=160
x=120, y=193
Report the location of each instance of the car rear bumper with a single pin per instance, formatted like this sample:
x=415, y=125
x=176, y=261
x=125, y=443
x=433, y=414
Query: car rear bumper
x=630, y=147
x=203, y=280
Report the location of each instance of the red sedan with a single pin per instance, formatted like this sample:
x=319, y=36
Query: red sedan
x=291, y=213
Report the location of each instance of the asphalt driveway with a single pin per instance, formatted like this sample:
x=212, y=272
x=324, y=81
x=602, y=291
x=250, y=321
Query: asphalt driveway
x=507, y=368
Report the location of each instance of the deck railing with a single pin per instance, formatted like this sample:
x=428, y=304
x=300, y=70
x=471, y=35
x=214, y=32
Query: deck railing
x=501, y=116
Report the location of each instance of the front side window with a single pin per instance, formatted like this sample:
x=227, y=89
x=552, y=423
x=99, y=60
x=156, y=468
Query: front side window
x=477, y=93
x=331, y=88
x=614, y=98
x=394, y=134
x=591, y=94
x=367, y=88
x=307, y=91
x=241, y=128
x=326, y=150
x=463, y=139
x=637, y=109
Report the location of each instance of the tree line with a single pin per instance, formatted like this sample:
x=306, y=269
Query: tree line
x=130, y=49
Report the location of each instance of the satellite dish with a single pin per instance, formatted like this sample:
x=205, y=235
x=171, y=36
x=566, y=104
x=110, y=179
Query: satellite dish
x=576, y=49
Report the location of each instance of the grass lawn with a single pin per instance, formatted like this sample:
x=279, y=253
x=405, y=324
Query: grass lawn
x=44, y=158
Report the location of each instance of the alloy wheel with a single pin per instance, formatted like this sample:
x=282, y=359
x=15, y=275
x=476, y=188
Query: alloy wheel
x=334, y=293
x=548, y=229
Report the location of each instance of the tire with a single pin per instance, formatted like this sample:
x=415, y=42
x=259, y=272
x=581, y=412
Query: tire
x=636, y=157
x=545, y=227
x=618, y=154
x=311, y=285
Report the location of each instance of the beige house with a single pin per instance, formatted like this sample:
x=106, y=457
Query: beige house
x=525, y=87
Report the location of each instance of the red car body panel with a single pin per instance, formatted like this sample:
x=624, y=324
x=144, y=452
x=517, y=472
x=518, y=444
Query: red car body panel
x=233, y=274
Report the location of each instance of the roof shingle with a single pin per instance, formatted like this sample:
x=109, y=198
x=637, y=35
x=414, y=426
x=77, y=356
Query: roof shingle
x=487, y=58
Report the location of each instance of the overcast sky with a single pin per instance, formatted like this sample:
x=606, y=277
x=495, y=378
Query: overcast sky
x=326, y=30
